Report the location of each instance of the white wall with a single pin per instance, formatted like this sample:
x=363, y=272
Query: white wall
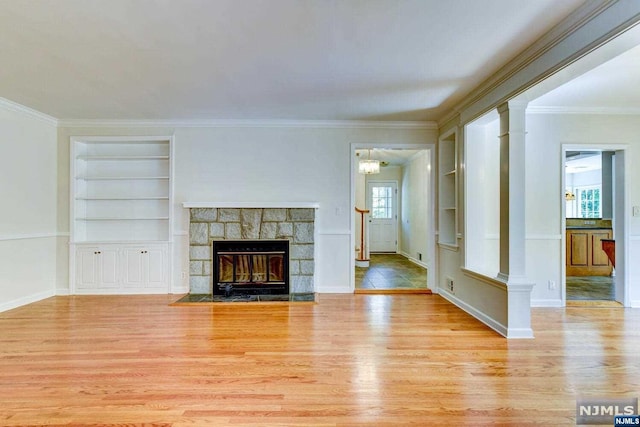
x=270, y=164
x=546, y=134
x=28, y=237
x=415, y=214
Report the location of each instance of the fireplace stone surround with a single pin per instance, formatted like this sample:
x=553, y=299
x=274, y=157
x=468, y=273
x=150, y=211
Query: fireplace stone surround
x=295, y=224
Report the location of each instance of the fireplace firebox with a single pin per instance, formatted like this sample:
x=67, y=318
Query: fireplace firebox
x=250, y=267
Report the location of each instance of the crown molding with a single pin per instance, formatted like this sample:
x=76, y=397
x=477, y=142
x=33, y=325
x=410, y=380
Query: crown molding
x=603, y=111
x=578, y=19
x=19, y=108
x=349, y=124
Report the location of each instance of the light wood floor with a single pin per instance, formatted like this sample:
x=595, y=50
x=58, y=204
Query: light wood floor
x=348, y=360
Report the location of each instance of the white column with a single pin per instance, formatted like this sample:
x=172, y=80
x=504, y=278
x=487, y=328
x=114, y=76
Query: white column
x=512, y=218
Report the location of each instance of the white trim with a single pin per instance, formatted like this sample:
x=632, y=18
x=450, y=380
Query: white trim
x=493, y=281
x=9, y=305
x=253, y=205
x=478, y=315
x=213, y=123
x=334, y=233
x=333, y=289
x=19, y=108
x=63, y=291
x=634, y=237
x=540, y=303
x=413, y=260
x=31, y=236
x=181, y=233
x=634, y=303
x=613, y=111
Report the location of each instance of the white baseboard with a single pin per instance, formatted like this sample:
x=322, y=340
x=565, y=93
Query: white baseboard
x=487, y=320
x=334, y=290
x=546, y=303
x=10, y=305
x=413, y=260
x=63, y=291
x=634, y=303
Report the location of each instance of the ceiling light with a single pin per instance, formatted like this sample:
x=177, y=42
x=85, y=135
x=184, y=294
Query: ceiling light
x=369, y=166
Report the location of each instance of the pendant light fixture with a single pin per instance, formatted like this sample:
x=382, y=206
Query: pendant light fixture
x=369, y=166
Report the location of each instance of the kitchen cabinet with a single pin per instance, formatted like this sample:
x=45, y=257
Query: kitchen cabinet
x=585, y=256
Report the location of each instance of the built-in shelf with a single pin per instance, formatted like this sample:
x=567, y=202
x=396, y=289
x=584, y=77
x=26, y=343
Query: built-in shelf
x=448, y=190
x=121, y=198
x=124, y=158
x=120, y=178
x=121, y=190
x=120, y=208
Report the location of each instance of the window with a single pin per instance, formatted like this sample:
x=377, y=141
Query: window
x=589, y=202
x=382, y=203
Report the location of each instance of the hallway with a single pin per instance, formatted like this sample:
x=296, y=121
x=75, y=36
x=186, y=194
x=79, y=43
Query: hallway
x=391, y=271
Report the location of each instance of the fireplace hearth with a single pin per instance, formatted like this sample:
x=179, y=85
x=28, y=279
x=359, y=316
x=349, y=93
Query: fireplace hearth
x=250, y=267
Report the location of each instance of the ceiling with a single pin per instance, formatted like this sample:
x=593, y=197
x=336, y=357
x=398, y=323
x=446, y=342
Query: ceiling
x=386, y=60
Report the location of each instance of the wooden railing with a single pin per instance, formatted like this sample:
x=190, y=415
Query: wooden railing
x=362, y=255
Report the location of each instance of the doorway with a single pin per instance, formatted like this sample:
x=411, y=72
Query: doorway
x=397, y=231
x=594, y=223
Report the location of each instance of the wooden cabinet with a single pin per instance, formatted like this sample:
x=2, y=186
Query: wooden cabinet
x=585, y=256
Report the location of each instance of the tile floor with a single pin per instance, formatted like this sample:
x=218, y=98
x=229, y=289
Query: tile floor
x=587, y=288
x=391, y=271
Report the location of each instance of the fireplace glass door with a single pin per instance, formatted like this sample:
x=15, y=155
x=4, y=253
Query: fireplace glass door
x=250, y=266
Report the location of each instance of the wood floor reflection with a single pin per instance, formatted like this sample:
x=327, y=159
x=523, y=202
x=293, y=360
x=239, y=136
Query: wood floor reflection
x=348, y=360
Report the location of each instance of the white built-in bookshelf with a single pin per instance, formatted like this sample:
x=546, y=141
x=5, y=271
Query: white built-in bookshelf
x=447, y=191
x=121, y=190
x=120, y=214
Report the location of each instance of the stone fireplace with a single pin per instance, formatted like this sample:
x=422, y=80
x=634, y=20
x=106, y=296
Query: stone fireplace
x=209, y=225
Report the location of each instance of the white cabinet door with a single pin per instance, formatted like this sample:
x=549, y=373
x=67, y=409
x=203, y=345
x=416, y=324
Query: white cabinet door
x=97, y=267
x=108, y=275
x=145, y=267
x=87, y=271
x=156, y=267
x=133, y=267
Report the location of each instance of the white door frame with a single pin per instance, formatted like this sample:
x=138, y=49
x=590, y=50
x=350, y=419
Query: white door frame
x=395, y=208
x=432, y=273
x=620, y=220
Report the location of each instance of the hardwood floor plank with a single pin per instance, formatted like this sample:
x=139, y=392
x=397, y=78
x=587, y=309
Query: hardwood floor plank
x=348, y=360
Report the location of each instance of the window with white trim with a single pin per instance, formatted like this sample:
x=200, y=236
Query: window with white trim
x=589, y=202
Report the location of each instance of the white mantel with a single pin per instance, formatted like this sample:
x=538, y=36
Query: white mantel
x=254, y=205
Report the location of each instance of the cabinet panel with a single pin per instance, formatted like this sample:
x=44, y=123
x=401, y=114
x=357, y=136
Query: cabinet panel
x=578, y=249
x=598, y=255
x=585, y=256
x=156, y=267
x=122, y=268
x=133, y=266
x=87, y=267
x=108, y=266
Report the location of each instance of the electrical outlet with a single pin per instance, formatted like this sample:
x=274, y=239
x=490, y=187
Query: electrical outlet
x=450, y=284
x=552, y=285
x=419, y=256
x=184, y=274
x=636, y=211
